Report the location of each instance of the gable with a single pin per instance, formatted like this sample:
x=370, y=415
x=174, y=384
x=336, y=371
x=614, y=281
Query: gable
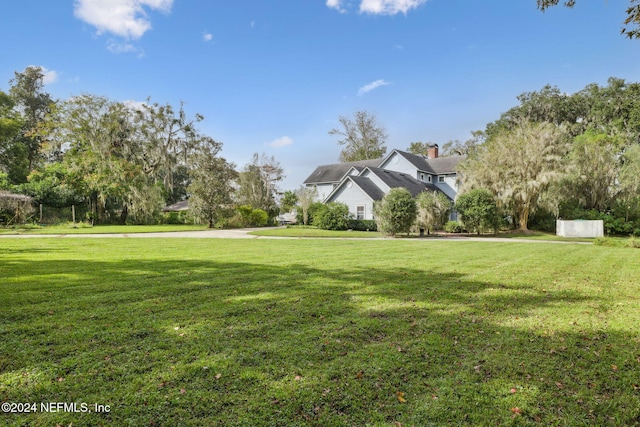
x=334, y=173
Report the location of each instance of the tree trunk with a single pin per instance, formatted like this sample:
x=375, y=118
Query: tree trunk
x=124, y=214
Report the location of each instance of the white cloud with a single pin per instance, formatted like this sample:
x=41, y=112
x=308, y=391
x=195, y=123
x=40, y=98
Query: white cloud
x=281, y=142
x=371, y=86
x=379, y=7
x=124, y=18
x=116, y=47
x=49, y=76
x=337, y=5
x=207, y=37
x=389, y=7
x=135, y=105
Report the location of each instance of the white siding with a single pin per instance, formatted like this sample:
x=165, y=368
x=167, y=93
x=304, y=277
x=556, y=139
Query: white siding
x=397, y=163
x=323, y=190
x=449, y=186
x=377, y=181
x=352, y=196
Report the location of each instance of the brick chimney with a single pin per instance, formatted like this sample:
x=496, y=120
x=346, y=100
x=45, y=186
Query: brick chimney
x=432, y=153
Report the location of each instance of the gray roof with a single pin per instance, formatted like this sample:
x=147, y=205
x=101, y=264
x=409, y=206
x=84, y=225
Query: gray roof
x=335, y=172
x=397, y=179
x=182, y=205
x=437, y=166
x=368, y=187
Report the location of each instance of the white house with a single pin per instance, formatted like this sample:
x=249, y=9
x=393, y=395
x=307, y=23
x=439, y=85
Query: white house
x=359, y=184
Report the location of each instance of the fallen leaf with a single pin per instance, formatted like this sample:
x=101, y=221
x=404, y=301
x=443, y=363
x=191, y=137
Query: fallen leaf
x=359, y=374
x=400, y=396
x=614, y=367
x=60, y=379
x=513, y=390
x=182, y=391
x=218, y=376
x=516, y=410
x=559, y=384
x=298, y=378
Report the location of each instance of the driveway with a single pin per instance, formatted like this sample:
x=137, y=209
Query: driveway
x=243, y=233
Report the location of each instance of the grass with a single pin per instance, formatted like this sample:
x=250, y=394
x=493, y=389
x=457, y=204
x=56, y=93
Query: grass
x=83, y=228
x=201, y=332
x=299, y=231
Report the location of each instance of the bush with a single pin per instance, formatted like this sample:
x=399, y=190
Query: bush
x=333, y=216
x=313, y=210
x=258, y=218
x=396, y=212
x=363, y=225
x=246, y=216
x=181, y=217
x=478, y=210
x=453, y=227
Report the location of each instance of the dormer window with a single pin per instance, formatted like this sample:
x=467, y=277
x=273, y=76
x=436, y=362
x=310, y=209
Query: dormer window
x=441, y=179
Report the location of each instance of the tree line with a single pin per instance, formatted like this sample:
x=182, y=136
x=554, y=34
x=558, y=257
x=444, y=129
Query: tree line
x=122, y=162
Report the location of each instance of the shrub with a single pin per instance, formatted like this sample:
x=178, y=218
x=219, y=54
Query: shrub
x=433, y=210
x=453, y=227
x=181, y=217
x=363, y=225
x=478, y=210
x=312, y=211
x=333, y=216
x=396, y=212
x=259, y=218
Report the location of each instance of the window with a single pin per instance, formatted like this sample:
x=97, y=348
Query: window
x=428, y=178
x=441, y=179
x=360, y=212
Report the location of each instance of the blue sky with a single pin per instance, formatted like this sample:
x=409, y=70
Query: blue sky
x=273, y=76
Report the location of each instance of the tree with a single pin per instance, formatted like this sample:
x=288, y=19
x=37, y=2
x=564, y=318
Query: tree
x=362, y=136
x=433, y=210
x=13, y=154
x=164, y=140
x=95, y=136
x=518, y=165
x=478, y=210
x=457, y=148
x=420, y=148
x=289, y=201
x=33, y=104
x=633, y=14
x=306, y=197
x=396, y=212
x=211, y=186
x=593, y=170
x=257, y=183
x=629, y=179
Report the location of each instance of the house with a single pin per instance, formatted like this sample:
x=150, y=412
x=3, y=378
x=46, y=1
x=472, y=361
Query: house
x=359, y=184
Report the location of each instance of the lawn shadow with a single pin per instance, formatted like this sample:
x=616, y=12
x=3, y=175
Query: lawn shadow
x=171, y=342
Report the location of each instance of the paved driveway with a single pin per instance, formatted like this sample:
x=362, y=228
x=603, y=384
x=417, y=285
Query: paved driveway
x=243, y=233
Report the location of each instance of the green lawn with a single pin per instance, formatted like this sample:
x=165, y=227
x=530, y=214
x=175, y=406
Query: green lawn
x=173, y=332
x=82, y=228
x=314, y=232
